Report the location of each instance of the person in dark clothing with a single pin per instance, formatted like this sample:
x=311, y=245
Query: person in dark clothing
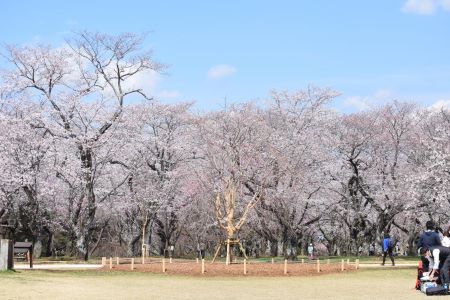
x=388, y=248
x=439, y=259
x=428, y=239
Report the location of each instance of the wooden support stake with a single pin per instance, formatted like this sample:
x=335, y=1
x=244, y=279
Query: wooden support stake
x=357, y=264
x=197, y=259
x=303, y=260
x=227, y=258
x=342, y=265
x=272, y=260
x=245, y=266
x=164, y=265
x=117, y=260
x=318, y=265
x=110, y=263
x=203, y=266
x=328, y=261
x=285, y=266
x=348, y=261
x=170, y=260
x=103, y=261
x=132, y=264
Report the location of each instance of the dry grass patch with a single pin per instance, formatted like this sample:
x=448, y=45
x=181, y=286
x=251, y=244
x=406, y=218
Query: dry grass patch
x=364, y=284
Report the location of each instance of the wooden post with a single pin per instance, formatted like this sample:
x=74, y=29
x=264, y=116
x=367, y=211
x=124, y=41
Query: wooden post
x=110, y=263
x=357, y=264
x=328, y=261
x=303, y=260
x=285, y=266
x=31, y=256
x=164, y=265
x=227, y=259
x=318, y=265
x=342, y=265
x=203, y=266
x=132, y=264
x=117, y=260
x=103, y=261
x=170, y=260
x=348, y=261
x=7, y=254
x=245, y=266
x=144, y=224
x=143, y=247
x=272, y=260
x=196, y=259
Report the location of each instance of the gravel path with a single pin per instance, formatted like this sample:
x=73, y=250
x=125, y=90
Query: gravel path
x=57, y=266
x=402, y=265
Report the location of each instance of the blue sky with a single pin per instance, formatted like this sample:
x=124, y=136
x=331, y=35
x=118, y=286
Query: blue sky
x=370, y=51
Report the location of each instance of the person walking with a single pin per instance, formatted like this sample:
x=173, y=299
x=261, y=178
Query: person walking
x=388, y=247
x=310, y=251
x=446, y=238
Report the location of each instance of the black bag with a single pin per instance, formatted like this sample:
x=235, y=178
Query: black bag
x=438, y=290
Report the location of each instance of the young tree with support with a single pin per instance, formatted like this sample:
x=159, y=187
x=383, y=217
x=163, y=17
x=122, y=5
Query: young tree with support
x=225, y=213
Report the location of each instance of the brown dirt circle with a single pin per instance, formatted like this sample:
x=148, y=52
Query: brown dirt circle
x=235, y=269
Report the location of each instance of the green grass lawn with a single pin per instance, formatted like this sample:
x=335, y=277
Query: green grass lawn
x=364, y=284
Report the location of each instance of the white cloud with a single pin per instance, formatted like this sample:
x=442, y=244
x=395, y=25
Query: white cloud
x=146, y=80
x=380, y=94
x=425, y=7
x=445, y=4
x=169, y=94
x=421, y=7
x=221, y=71
x=440, y=105
x=357, y=102
x=361, y=103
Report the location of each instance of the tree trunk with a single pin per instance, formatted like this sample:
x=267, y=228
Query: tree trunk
x=86, y=164
x=132, y=245
x=293, y=248
x=274, y=248
x=49, y=247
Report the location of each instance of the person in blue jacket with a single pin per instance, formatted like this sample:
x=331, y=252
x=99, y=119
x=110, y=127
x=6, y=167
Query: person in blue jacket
x=388, y=247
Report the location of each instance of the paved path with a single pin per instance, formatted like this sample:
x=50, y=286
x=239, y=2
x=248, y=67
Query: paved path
x=402, y=265
x=57, y=266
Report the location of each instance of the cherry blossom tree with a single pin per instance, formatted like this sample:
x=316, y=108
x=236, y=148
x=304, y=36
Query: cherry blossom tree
x=369, y=184
x=89, y=168
x=82, y=87
x=291, y=205
x=429, y=179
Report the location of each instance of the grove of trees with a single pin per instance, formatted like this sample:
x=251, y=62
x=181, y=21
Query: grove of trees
x=91, y=165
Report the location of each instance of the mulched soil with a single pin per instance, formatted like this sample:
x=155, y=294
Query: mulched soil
x=190, y=268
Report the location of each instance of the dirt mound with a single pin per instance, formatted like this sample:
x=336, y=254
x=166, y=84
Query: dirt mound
x=235, y=269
